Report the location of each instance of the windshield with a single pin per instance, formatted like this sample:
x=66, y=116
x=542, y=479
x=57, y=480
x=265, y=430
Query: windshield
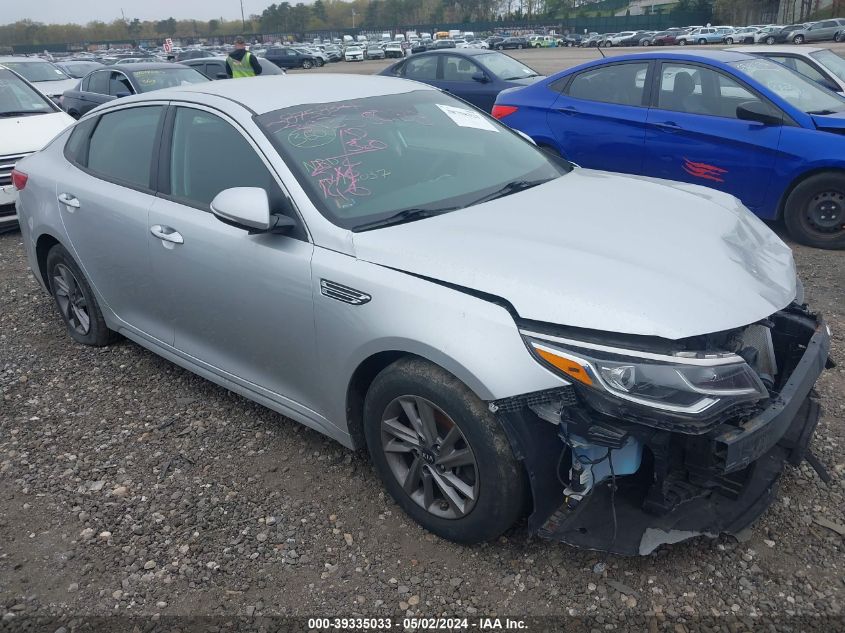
x=18, y=99
x=795, y=89
x=364, y=160
x=37, y=71
x=830, y=60
x=78, y=70
x=353, y=49
x=158, y=78
x=505, y=67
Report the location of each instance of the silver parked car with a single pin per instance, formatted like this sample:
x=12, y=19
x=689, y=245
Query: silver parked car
x=401, y=272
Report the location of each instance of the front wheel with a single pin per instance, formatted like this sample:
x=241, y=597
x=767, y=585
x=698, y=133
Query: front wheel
x=319, y=63
x=798, y=39
x=307, y=64
x=441, y=453
x=771, y=40
x=519, y=46
x=837, y=37
x=682, y=42
x=815, y=211
x=729, y=40
x=75, y=300
x=702, y=41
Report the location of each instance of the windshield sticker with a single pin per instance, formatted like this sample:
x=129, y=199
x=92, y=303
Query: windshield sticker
x=467, y=118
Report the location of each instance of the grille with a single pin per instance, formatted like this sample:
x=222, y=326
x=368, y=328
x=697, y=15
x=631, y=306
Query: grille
x=7, y=163
x=566, y=396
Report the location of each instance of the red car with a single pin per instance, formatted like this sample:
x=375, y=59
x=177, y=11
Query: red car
x=666, y=38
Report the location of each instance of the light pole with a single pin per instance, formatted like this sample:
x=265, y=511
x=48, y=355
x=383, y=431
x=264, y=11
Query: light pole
x=243, y=21
x=353, y=18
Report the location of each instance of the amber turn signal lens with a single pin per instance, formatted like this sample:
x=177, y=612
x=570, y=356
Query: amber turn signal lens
x=569, y=367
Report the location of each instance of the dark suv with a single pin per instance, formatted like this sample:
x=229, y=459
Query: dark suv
x=286, y=57
x=513, y=42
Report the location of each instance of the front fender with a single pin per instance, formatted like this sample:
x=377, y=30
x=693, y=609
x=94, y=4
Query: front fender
x=474, y=339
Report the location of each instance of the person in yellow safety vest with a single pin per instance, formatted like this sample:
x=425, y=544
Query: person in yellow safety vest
x=242, y=63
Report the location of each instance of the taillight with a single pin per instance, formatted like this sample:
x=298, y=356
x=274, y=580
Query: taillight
x=501, y=111
x=19, y=179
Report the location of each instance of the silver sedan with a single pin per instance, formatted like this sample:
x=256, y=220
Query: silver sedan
x=503, y=332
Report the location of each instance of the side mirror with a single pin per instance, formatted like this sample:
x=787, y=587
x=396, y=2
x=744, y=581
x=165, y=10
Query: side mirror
x=480, y=77
x=758, y=112
x=222, y=76
x=122, y=94
x=249, y=208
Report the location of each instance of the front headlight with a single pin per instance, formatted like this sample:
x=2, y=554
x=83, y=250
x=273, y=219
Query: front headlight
x=687, y=384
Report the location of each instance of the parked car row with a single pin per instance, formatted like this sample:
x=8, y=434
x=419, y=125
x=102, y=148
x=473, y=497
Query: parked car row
x=600, y=339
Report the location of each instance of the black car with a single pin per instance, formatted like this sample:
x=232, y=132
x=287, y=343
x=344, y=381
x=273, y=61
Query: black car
x=512, y=42
x=493, y=40
x=472, y=74
x=287, y=57
x=121, y=81
x=215, y=67
x=438, y=44
x=419, y=46
x=573, y=39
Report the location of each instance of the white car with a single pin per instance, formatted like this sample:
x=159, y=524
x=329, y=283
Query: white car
x=28, y=120
x=821, y=65
x=614, y=40
x=41, y=74
x=353, y=54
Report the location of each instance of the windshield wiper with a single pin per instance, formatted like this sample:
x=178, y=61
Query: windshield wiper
x=20, y=113
x=402, y=217
x=512, y=187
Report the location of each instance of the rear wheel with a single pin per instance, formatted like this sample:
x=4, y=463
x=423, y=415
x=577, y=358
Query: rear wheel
x=729, y=40
x=771, y=40
x=319, y=63
x=441, y=454
x=815, y=211
x=682, y=42
x=702, y=41
x=837, y=37
x=519, y=46
x=75, y=300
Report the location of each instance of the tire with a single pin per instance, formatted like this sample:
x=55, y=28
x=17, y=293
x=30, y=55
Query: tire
x=814, y=212
x=798, y=39
x=729, y=40
x=702, y=41
x=73, y=297
x=500, y=48
x=837, y=37
x=307, y=64
x=770, y=40
x=319, y=63
x=495, y=481
x=682, y=42
x=519, y=46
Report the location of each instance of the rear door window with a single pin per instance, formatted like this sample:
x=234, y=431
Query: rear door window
x=121, y=147
x=422, y=68
x=99, y=82
x=119, y=84
x=622, y=84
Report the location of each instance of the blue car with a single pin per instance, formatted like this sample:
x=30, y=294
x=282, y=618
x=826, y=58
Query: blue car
x=741, y=124
x=474, y=75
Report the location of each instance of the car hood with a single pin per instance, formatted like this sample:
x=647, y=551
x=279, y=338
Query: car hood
x=604, y=251
x=830, y=122
x=56, y=88
x=21, y=135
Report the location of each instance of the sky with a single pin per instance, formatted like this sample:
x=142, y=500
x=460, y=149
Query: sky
x=82, y=11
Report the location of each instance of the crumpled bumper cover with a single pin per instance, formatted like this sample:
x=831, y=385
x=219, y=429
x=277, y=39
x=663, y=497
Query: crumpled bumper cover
x=759, y=448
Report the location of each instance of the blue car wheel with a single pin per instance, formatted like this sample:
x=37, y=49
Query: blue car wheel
x=814, y=212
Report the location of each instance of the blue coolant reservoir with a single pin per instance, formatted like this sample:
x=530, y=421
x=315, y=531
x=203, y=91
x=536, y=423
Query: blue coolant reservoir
x=626, y=460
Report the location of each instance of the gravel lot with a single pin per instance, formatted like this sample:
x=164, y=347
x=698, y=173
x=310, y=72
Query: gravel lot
x=130, y=486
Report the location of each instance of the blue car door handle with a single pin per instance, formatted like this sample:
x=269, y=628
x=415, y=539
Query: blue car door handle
x=669, y=126
x=568, y=110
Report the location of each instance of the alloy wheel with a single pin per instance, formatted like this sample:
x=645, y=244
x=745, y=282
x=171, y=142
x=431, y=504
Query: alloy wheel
x=430, y=457
x=71, y=301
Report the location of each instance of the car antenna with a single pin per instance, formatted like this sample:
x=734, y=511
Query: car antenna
x=598, y=47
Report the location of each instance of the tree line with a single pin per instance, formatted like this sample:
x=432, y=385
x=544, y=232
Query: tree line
x=321, y=15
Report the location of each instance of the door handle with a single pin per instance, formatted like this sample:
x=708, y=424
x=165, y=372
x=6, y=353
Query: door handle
x=669, y=126
x=166, y=234
x=70, y=201
x=570, y=110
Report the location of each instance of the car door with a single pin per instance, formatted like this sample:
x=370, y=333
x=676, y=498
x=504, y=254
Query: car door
x=695, y=136
x=599, y=118
x=96, y=91
x=103, y=195
x=457, y=78
x=240, y=304
x=824, y=30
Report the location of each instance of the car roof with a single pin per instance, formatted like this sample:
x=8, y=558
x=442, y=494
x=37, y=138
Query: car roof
x=468, y=52
x=797, y=50
x=14, y=58
x=723, y=56
x=260, y=95
x=132, y=68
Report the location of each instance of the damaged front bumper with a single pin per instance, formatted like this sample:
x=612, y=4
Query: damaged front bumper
x=648, y=485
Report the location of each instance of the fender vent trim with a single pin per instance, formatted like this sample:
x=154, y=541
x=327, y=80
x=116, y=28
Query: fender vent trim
x=339, y=292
